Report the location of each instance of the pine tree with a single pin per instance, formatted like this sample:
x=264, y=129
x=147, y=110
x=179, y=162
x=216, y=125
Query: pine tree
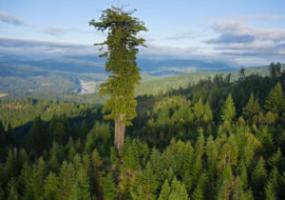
x=242, y=170
x=276, y=159
x=252, y=107
x=109, y=187
x=147, y=183
x=275, y=70
x=199, y=191
x=67, y=177
x=12, y=193
x=275, y=99
x=54, y=152
x=81, y=190
x=3, y=137
x=165, y=191
x=225, y=187
x=37, y=137
x=51, y=187
x=208, y=114
x=58, y=130
x=270, y=192
x=10, y=165
x=228, y=154
x=259, y=178
x=228, y=109
x=122, y=43
x=197, y=166
x=198, y=109
x=178, y=191
x=242, y=73
x=237, y=190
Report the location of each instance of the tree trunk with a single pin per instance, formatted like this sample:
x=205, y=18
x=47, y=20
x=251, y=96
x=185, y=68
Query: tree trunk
x=120, y=128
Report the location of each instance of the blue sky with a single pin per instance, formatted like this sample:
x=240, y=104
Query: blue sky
x=242, y=31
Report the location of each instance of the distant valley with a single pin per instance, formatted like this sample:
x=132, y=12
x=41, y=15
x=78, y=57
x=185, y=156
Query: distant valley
x=38, y=72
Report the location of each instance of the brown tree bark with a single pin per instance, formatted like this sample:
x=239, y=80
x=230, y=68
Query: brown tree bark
x=120, y=128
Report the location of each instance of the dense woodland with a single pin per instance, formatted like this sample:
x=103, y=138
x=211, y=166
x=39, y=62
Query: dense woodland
x=216, y=139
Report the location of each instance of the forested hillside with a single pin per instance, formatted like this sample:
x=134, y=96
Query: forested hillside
x=216, y=139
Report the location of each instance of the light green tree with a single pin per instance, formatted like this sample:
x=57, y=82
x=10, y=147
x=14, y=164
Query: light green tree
x=275, y=99
x=228, y=109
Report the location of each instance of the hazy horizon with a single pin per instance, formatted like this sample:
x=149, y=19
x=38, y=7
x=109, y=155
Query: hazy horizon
x=242, y=33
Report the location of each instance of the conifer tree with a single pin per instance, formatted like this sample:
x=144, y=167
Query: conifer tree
x=275, y=99
x=237, y=190
x=269, y=191
x=228, y=109
x=275, y=70
x=109, y=187
x=199, y=191
x=147, y=184
x=165, y=191
x=51, y=187
x=67, y=178
x=81, y=190
x=259, y=178
x=178, y=191
x=198, y=109
x=252, y=107
x=12, y=193
x=225, y=186
x=122, y=43
x=208, y=114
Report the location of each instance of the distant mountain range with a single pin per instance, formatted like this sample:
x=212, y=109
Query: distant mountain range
x=31, y=68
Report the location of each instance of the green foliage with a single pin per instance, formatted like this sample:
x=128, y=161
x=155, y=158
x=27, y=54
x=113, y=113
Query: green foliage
x=165, y=191
x=275, y=99
x=275, y=70
x=178, y=191
x=228, y=109
x=258, y=178
x=252, y=107
x=109, y=187
x=178, y=148
x=51, y=187
x=99, y=136
x=12, y=194
x=122, y=43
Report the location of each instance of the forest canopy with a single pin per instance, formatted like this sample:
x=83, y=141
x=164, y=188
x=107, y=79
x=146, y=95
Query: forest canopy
x=217, y=139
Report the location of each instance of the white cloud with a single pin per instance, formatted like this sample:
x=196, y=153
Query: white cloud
x=10, y=19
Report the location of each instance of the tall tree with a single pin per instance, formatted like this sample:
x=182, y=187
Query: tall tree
x=122, y=47
x=275, y=99
x=252, y=107
x=228, y=109
x=275, y=70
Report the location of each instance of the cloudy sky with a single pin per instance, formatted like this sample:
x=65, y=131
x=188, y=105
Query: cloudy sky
x=246, y=32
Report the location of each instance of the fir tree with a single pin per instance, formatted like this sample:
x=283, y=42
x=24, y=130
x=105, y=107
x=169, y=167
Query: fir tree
x=199, y=191
x=259, y=178
x=109, y=187
x=252, y=107
x=208, y=114
x=275, y=99
x=178, y=191
x=12, y=193
x=270, y=192
x=198, y=109
x=165, y=191
x=228, y=109
x=51, y=187
x=275, y=70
